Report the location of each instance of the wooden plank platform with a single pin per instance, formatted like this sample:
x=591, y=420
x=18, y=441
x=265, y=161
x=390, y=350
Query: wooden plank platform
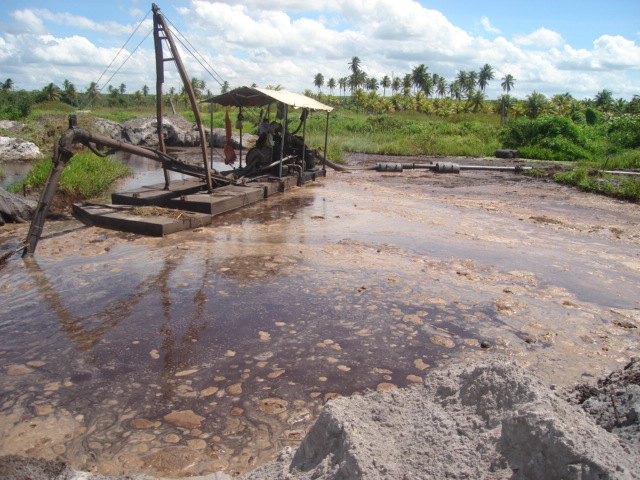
x=156, y=194
x=120, y=218
x=223, y=199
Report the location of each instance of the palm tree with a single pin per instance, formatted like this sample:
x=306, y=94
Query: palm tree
x=198, y=86
x=51, y=92
x=354, y=65
x=225, y=87
x=318, y=81
x=428, y=85
x=69, y=94
x=535, y=104
x=506, y=102
x=8, y=84
x=407, y=81
x=92, y=93
x=441, y=86
x=145, y=90
x=396, y=85
x=385, y=83
x=331, y=85
x=418, y=76
x=507, y=83
x=562, y=101
x=342, y=85
x=466, y=81
x=486, y=73
x=476, y=100
x=604, y=99
x=455, y=90
x=372, y=84
x=620, y=105
x=122, y=88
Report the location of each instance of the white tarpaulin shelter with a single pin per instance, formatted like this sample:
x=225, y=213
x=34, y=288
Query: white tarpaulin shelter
x=258, y=97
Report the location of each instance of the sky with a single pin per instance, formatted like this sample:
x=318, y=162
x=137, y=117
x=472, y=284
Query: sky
x=575, y=46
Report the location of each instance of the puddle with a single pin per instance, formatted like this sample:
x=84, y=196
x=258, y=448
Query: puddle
x=211, y=350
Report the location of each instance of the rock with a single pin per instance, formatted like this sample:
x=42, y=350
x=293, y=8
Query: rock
x=507, y=153
x=17, y=370
x=21, y=468
x=178, y=132
x=218, y=139
x=185, y=418
x=172, y=459
x=14, y=127
x=17, y=149
x=14, y=208
x=142, y=423
x=108, y=128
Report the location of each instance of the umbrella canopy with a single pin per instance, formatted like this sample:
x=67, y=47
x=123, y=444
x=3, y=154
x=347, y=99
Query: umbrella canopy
x=258, y=97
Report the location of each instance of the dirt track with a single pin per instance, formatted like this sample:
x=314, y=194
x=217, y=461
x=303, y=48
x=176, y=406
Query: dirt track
x=360, y=281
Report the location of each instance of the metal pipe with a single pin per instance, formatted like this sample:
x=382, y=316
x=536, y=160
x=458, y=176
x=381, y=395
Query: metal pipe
x=240, y=122
x=326, y=137
x=283, y=138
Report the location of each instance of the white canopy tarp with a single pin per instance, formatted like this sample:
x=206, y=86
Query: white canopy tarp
x=257, y=97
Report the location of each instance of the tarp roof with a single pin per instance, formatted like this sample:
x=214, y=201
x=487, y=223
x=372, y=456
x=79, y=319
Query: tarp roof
x=258, y=97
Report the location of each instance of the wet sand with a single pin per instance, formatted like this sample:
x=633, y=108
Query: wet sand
x=213, y=349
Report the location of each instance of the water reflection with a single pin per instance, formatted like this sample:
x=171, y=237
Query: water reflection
x=283, y=305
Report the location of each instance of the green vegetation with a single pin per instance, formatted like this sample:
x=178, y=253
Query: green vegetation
x=86, y=176
x=594, y=180
x=418, y=114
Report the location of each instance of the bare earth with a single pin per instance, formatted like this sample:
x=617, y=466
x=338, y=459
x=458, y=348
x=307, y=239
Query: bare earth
x=372, y=281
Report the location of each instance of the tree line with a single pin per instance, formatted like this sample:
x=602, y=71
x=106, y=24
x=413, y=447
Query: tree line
x=16, y=104
x=429, y=92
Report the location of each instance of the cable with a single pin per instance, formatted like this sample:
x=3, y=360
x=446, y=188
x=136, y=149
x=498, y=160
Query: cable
x=213, y=73
x=114, y=59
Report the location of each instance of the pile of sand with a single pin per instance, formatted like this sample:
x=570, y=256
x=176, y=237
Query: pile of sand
x=492, y=420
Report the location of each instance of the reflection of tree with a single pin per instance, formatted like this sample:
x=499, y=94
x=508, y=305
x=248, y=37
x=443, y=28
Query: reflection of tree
x=178, y=352
x=74, y=326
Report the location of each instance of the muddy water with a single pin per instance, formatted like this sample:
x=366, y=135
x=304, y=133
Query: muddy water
x=213, y=349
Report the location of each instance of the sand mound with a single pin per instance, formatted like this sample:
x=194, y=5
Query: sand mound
x=490, y=421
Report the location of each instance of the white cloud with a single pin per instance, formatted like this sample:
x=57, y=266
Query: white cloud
x=486, y=24
x=616, y=52
x=542, y=38
x=287, y=42
x=28, y=21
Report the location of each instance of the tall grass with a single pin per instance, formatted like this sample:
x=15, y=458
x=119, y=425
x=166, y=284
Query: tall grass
x=86, y=176
x=405, y=134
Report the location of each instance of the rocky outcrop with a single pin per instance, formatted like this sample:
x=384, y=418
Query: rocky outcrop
x=178, y=132
x=14, y=208
x=17, y=149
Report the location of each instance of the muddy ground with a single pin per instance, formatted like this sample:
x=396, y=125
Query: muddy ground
x=212, y=350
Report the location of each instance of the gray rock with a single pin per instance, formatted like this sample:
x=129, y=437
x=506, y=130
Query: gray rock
x=12, y=126
x=14, y=208
x=17, y=149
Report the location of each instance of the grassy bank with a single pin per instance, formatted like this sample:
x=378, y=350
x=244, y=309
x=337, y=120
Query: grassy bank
x=86, y=176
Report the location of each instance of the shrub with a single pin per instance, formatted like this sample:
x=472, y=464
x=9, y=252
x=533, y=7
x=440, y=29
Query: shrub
x=548, y=137
x=591, y=115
